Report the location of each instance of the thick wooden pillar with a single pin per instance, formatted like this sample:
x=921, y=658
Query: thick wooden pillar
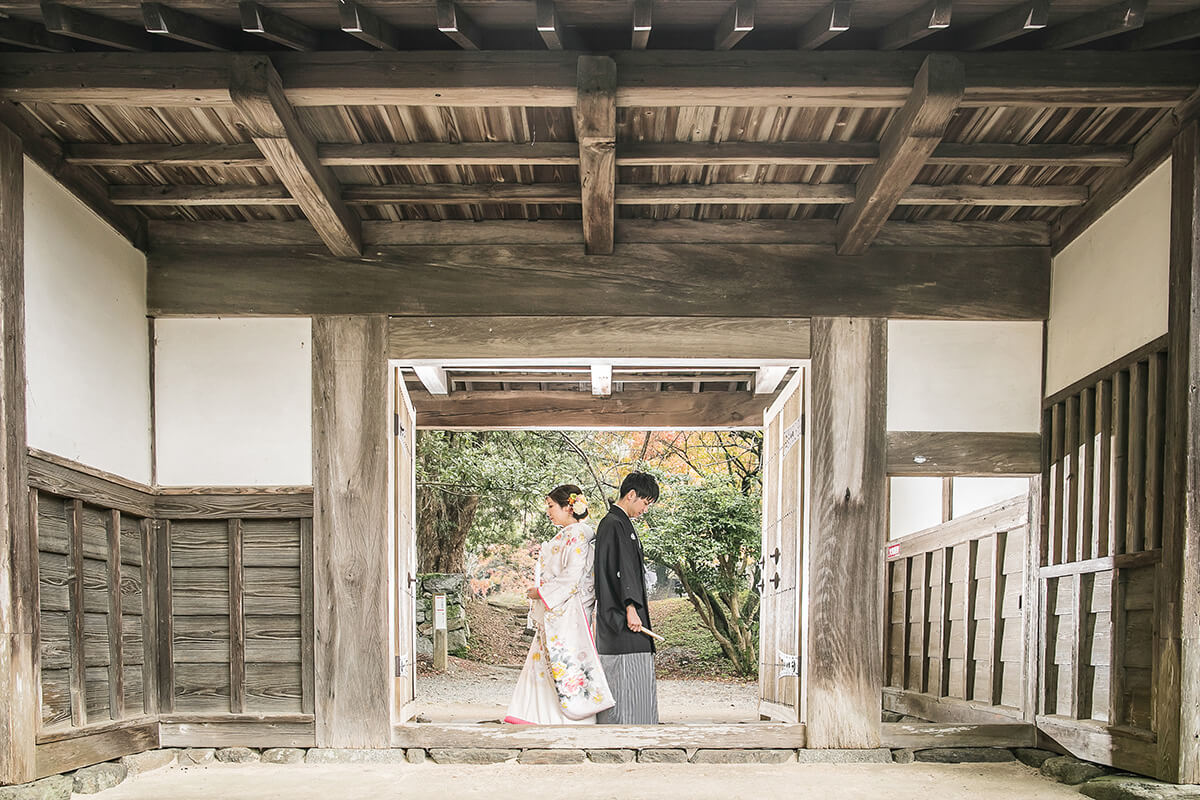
x=350, y=546
x=18, y=564
x=847, y=531
x=1177, y=697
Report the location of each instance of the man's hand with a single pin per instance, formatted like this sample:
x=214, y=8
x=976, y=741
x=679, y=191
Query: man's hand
x=632, y=619
x=532, y=593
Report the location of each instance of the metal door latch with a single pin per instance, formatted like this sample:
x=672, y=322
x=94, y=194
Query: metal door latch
x=789, y=666
x=401, y=666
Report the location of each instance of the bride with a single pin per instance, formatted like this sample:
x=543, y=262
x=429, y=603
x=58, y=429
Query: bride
x=562, y=682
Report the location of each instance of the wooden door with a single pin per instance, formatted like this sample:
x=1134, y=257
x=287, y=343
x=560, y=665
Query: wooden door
x=781, y=584
x=404, y=544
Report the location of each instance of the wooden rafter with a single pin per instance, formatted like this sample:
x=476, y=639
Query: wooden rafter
x=458, y=26
x=77, y=23
x=275, y=27
x=1167, y=31
x=1016, y=21
x=172, y=23
x=930, y=18
x=33, y=36
x=258, y=95
x=550, y=27
x=1121, y=17
x=643, y=23
x=907, y=142
x=364, y=25
x=434, y=379
x=596, y=132
x=737, y=22
x=831, y=21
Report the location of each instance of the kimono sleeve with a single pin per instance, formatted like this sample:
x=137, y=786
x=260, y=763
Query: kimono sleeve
x=559, y=588
x=630, y=565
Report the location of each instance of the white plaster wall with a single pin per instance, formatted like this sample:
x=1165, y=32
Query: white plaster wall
x=87, y=340
x=972, y=494
x=233, y=402
x=964, y=376
x=915, y=504
x=1108, y=288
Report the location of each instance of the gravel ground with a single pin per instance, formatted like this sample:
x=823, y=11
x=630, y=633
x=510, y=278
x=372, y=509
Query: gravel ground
x=471, y=692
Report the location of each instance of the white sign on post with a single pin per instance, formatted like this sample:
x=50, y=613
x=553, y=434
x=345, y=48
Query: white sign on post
x=439, y=612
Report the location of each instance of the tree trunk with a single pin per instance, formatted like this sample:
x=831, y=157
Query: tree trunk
x=443, y=521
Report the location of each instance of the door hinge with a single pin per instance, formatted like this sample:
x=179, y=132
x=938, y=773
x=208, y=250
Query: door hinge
x=397, y=428
x=401, y=666
x=789, y=665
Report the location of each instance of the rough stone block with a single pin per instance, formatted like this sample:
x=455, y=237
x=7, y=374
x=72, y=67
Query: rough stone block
x=964, y=755
x=349, y=755
x=415, y=755
x=615, y=756
x=56, y=787
x=662, y=755
x=1070, y=770
x=1135, y=787
x=1032, y=756
x=98, y=777
x=879, y=755
x=743, y=756
x=283, y=755
x=140, y=763
x=196, y=756
x=551, y=756
x=903, y=756
x=472, y=755
x=236, y=755
x=890, y=716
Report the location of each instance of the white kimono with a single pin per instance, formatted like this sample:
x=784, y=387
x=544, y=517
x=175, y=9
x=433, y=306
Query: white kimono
x=562, y=682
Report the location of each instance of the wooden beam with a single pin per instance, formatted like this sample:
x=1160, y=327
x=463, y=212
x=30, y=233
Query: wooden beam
x=272, y=124
x=183, y=27
x=758, y=280
x=350, y=532
x=434, y=379
x=529, y=410
x=596, y=132
x=930, y=18
x=1016, y=21
x=643, y=23
x=602, y=379
x=365, y=26
x=273, y=26
x=848, y=530
x=771, y=735
x=458, y=27
x=831, y=21
x=167, y=155
x=906, y=143
x=1121, y=17
x=1167, y=31
x=77, y=23
x=963, y=453
x=20, y=714
x=33, y=36
x=737, y=22
x=205, y=195
x=550, y=27
x=767, y=379
x=454, y=193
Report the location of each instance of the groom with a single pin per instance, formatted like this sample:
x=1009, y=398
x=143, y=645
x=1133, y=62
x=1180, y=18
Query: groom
x=626, y=654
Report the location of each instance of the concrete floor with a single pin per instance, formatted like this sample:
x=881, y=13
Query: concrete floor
x=586, y=781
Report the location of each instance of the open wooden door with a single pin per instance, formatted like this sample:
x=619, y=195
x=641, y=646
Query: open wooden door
x=404, y=544
x=781, y=584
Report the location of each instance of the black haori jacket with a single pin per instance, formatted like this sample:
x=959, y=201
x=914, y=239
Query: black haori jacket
x=620, y=579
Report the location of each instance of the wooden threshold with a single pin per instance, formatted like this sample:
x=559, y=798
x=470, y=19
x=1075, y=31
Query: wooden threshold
x=754, y=735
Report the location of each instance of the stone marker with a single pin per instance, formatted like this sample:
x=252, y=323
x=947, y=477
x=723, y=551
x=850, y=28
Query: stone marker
x=283, y=755
x=98, y=777
x=1032, y=756
x=662, y=756
x=1070, y=770
x=1133, y=787
x=196, y=756
x=612, y=756
x=349, y=755
x=903, y=756
x=879, y=755
x=964, y=755
x=472, y=755
x=551, y=756
x=140, y=763
x=753, y=756
x=56, y=787
x=415, y=755
x=236, y=755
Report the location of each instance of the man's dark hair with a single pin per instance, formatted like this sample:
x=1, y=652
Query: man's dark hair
x=641, y=483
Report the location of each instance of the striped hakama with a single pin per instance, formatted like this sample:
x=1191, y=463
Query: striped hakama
x=631, y=680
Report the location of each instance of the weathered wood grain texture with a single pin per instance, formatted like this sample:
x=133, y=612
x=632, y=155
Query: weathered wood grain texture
x=237, y=619
x=1177, y=696
x=906, y=144
x=596, y=131
x=238, y=733
x=848, y=529
x=752, y=735
x=92, y=748
x=762, y=280
x=257, y=94
x=116, y=658
x=350, y=533
x=963, y=453
x=1007, y=515
x=1030, y=596
x=218, y=504
x=1100, y=743
x=946, y=709
x=919, y=736
x=165, y=627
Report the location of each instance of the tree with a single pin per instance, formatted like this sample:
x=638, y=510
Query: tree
x=708, y=533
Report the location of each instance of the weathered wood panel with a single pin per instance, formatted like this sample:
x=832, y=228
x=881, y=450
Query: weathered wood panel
x=847, y=532
x=770, y=735
x=65, y=478
x=81, y=751
x=965, y=453
x=237, y=733
x=350, y=532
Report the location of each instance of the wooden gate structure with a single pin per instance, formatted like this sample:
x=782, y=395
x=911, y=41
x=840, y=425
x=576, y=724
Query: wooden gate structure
x=642, y=215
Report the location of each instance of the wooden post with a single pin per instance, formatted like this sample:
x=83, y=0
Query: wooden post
x=848, y=531
x=350, y=532
x=440, y=634
x=18, y=550
x=1178, y=603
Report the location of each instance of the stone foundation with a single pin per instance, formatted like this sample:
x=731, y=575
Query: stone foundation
x=454, y=586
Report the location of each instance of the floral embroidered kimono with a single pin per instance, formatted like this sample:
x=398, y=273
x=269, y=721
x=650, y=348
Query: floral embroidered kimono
x=562, y=682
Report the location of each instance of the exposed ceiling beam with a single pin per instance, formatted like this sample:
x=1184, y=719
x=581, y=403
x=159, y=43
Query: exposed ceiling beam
x=831, y=21
x=187, y=28
x=1087, y=78
x=365, y=26
x=434, y=379
x=1029, y=16
x=908, y=140
x=1168, y=31
x=963, y=453
x=767, y=379
x=458, y=26
x=556, y=35
x=602, y=380
x=275, y=27
x=737, y=22
x=79, y=24
x=1121, y=17
x=930, y=18
x=33, y=36
x=643, y=22
x=596, y=131
x=271, y=122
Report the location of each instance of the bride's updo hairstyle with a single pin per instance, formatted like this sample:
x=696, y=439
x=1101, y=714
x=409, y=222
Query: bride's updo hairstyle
x=570, y=496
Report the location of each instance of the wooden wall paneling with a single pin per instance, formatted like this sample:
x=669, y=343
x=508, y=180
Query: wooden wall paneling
x=1080, y=686
x=1135, y=508
x=768, y=609
x=926, y=581
x=352, y=676
x=1048, y=672
x=906, y=568
x=996, y=665
x=1046, y=496
x=307, y=636
x=969, y=622
x=791, y=534
x=166, y=618
x=1086, y=470
x=1057, y=495
x=1031, y=595
x=116, y=664
x=1104, y=464
x=237, y=627
x=846, y=537
x=151, y=664
x=74, y=511
x=1071, y=473
x=1118, y=518
x=66, y=478
x=1156, y=387
x=947, y=595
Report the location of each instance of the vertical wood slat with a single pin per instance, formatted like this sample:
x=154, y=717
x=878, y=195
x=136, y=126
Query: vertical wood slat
x=889, y=612
x=1055, y=533
x=1116, y=651
x=968, y=671
x=1048, y=682
x=1135, y=509
x=1087, y=473
x=116, y=660
x=237, y=619
x=74, y=512
x=1031, y=606
x=947, y=499
x=1070, y=546
x=307, y=637
x=1118, y=522
x=906, y=569
x=1156, y=399
x=1104, y=466
x=1081, y=686
x=35, y=620
x=1046, y=496
x=166, y=623
x=995, y=675
x=944, y=628
x=150, y=618
x=926, y=593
